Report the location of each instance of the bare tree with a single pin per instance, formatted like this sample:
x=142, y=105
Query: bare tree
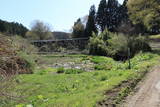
x=40, y=30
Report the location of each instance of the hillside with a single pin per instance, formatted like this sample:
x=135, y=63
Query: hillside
x=61, y=35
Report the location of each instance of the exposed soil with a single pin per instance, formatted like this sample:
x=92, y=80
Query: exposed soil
x=67, y=62
x=84, y=65
x=148, y=92
x=115, y=96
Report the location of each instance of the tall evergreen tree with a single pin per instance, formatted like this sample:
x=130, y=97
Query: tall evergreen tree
x=91, y=24
x=123, y=12
x=112, y=15
x=101, y=17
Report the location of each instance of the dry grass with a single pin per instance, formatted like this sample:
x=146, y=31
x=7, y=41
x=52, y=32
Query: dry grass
x=10, y=65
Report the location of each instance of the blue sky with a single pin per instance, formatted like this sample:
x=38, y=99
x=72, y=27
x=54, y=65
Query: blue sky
x=61, y=14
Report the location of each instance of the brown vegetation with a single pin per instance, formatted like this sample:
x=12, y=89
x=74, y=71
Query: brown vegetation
x=10, y=63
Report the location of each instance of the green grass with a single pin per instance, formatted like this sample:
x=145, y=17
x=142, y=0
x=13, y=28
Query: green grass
x=68, y=90
x=45, y=71
x=47, y=89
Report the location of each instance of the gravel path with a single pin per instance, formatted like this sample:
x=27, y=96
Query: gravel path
x=148, y=92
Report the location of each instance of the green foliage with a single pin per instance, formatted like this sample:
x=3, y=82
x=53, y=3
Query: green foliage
x=103, y=78
x=45, y=71
x=110, y=14
x=29, y=61
x=69, y=71
x=118, y=46
x=97, y=46
x=78, y=29
x=60, y=70
x=145, y=12
x=103, y=67
x=101, y=59
x=73, y=71
x=98, y=43
x=105, y=63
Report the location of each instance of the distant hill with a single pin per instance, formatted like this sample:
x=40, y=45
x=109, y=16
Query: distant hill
x=61, y=35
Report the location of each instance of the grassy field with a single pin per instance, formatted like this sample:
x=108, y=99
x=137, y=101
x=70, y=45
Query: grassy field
x=47, y=88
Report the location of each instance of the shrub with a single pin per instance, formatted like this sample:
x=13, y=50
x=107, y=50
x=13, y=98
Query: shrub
x=27, y=62
x=103, y=78
x=22, y=44
x=60, y=70
x=141, y=44
x=118, y=46
x=122, y=45
x=97, y=45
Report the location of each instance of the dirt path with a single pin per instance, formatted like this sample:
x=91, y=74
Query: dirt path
x=148, y=92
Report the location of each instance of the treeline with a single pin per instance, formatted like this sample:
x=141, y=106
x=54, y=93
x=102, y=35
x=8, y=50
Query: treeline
x=12, y=28
x=132, y=17
x=117, y=30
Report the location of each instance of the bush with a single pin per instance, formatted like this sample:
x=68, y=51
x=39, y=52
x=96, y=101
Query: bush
x=103, y=78
x=118, y=46
x=21, y=44
x=28, y=62
x=60, y=70
x=98, y=44
x=122, y=45
x=141, y=44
